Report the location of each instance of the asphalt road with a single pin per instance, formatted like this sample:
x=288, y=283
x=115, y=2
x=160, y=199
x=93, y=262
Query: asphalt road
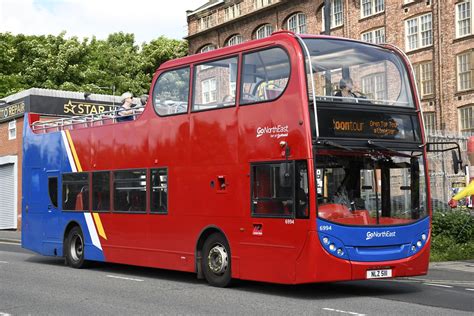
x=36, y=285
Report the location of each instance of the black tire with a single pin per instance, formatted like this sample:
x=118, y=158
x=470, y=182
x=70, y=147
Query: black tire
x=74, y=248
x=216, y=261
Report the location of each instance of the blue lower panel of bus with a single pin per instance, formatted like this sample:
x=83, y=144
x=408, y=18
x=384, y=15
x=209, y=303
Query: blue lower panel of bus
x=371, y=243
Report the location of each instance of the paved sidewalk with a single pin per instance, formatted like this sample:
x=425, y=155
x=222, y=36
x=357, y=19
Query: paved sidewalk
x=12, y=236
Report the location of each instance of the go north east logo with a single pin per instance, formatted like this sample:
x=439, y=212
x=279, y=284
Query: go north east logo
x=385, y=234
x=274, y=131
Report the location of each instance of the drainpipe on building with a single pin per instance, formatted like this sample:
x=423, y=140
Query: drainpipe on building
x=327, y=17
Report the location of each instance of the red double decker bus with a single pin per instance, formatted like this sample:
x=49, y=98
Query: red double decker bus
x=289, y=159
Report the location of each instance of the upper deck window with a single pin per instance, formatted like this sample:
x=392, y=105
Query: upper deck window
x=215, y=84
x=170, y=94
x=353, y=72
x=265, y=75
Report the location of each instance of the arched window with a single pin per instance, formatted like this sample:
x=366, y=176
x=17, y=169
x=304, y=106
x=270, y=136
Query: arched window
x=234, y=40
x=297, y=23
x=264, y=31
x=207, y=48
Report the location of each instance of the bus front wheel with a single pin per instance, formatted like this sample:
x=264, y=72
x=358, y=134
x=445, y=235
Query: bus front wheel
x=216, y=261
x=75, y=248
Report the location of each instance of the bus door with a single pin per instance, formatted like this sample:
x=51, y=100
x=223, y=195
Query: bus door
x=51, y=214
x=279, y=203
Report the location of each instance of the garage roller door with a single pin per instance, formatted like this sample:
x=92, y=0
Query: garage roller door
x=7, y=195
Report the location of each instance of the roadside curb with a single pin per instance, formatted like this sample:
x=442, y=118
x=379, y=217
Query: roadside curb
x=13, y=241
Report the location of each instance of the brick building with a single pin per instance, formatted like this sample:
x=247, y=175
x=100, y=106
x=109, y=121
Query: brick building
x=49, y=103
x=437, y=36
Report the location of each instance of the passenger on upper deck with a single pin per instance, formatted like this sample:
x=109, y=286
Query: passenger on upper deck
x=125, y=112
x=346, y=85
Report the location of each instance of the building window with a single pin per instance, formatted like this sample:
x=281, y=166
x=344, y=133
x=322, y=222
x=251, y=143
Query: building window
x=264, y=31
x=408, y=1
x=463, y=18
x=375, y=36
x=12, y=130
x=232, y=12
x=234, y=40
x=337, y=14
x=206, y=22
x=371, y=7
x=257, y=4
x=207, y=48
x=297, y=23
x=467, y=119
x=418, y=32
x=373, y=86
x=430, y=122
x=465, y=72
x=209, y=90
x=424, y=78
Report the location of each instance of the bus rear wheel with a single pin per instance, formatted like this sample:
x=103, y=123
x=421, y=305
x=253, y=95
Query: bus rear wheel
x=74, y=248
x=216, y=261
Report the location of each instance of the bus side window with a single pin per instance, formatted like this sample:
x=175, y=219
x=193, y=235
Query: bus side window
x=159, y=191
x=171, y=92
x=75, y=191
x=265, y=75
x=130, y=190
x=273, y=189
x=101, y=191
x=302, y=190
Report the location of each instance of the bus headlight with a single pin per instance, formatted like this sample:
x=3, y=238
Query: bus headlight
x=423, y=237
x=419, y=244
x=332, y=247
x=325, y=240
x=340, y=252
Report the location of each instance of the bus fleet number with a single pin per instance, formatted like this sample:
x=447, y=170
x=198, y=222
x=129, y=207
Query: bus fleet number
x=325, y=227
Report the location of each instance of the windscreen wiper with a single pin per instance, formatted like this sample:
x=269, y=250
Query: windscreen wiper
x=335, y=145
x=371, y=143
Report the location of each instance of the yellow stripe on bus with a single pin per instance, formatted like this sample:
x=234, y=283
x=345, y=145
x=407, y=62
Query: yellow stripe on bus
x=74, y=153
x=98, y=223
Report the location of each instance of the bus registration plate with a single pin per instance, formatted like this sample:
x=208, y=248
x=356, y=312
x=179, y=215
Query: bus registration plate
x=377, y=274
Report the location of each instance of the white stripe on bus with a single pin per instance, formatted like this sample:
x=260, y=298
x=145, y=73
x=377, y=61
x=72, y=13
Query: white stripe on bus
x=92, y=230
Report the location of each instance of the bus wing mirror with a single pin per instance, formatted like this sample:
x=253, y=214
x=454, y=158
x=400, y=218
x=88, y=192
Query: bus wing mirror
x=434, y=147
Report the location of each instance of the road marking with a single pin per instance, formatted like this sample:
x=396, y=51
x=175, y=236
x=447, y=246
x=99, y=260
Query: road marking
x=124, y=278
x=342, y=312
x=4, y=314
x=438, y=285
x=469, y=289
x=3, y=262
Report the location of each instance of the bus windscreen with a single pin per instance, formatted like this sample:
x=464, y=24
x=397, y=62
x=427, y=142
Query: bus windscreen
x=346, y=71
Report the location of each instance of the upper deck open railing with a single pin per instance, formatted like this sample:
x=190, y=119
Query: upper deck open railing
x=82, y=121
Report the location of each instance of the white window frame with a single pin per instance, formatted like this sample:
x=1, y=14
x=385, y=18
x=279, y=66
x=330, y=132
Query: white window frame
x=209, y=90
x=374, y=5
x=423, y=80
x=469, y=17
x=12, y=130
x=264, y=31
x=466, y=119
x=206, y=22
x=300, y=26
x=408, y=1
x=376, y=80
x=258, y=4
x=373, y=36
x=429, y=118
x=207, y=48
x=416, y=32
x=234, y=40
x=333, y=15
x=467, y=70
x=232, y=12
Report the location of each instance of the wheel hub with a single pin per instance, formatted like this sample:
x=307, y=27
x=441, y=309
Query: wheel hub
x=77, y=247
x=218, y=260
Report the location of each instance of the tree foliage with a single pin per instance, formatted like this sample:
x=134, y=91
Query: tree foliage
x=89, y=65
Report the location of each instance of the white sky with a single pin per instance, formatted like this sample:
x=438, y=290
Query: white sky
x=84, y=18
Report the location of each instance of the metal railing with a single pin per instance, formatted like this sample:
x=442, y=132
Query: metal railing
x=82, y=121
